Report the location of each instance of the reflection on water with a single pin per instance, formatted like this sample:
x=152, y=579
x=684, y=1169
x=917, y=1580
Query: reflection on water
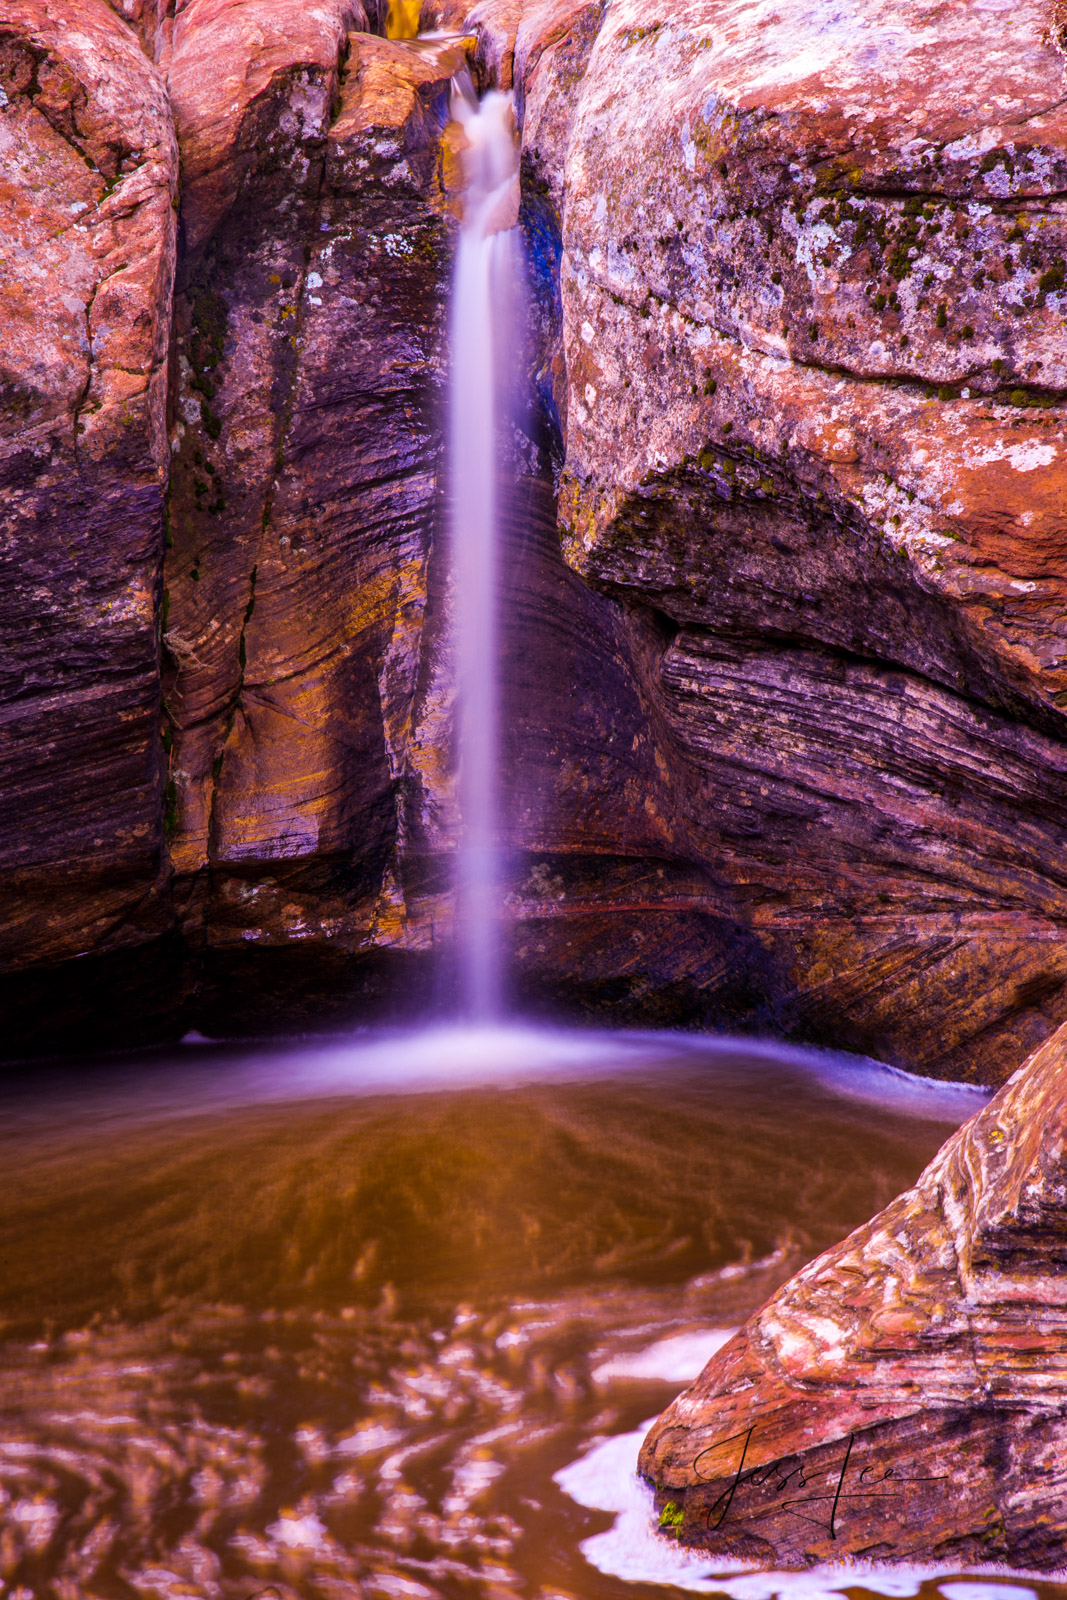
x=336, y=1322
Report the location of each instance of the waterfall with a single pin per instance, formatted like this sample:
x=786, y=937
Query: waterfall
x=483, y=340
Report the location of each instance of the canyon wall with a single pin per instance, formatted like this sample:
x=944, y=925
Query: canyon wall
x=90, y=174
x=784, y=694
x=813, y=320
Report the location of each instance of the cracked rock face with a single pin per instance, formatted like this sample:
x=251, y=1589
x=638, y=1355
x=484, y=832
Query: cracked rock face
x=903, y=1395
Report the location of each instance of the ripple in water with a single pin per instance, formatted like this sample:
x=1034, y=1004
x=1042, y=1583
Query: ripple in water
x=386, y=1321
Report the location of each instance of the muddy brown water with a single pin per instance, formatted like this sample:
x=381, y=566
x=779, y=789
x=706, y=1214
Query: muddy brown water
x=329, y=1322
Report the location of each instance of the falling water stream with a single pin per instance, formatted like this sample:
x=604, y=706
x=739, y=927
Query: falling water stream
x=384, y=1320
x=483, y=329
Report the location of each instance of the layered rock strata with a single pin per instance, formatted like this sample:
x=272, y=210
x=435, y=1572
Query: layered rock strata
x=813, y=338
x=90, y=168
x=784, y=745
x=303, y=501
x=905, y=1395
x=311, y=810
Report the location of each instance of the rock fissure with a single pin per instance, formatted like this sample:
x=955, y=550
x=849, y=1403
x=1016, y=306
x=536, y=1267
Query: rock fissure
x=82, y=398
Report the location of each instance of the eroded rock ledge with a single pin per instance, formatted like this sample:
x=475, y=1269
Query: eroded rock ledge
x=905, y=1395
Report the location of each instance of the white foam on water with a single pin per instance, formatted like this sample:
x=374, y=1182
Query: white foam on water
x=971, y=1590
x=463, y=1056
x=605, y=1479
x=677, y=1359
x=367, y=1440
x=294, y=1532
x=442, y=1058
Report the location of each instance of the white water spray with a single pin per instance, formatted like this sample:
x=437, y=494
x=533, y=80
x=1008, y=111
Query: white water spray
x=483, y=338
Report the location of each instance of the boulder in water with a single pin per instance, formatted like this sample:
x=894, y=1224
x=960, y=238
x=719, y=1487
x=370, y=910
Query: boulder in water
x=905, y=1395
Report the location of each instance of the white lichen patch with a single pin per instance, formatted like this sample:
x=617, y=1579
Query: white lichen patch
x=1020, y=457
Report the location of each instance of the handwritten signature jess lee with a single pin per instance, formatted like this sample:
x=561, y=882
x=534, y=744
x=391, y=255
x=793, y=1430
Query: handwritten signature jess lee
x=872, y=1481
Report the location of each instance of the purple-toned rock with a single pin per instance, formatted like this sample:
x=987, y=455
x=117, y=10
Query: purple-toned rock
x=313, y=815
x=89, y=168
x=784, y=747
x=811, y=385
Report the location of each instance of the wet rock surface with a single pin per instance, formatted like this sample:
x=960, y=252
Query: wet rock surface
x=784, y=741
x=903, y=1394
x=312, y=808
x=302, y=509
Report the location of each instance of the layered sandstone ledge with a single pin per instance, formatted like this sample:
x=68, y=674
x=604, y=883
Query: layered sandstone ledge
x=814, y=346
x=785, y=740
x=905, y=1395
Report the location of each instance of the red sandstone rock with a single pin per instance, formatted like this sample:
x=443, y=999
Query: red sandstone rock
x=552, y=46
x=799, y=761
x=89, y=174
x=904, y=1395
x=850, y=504
x=489, y=24
x=310, y=692
x=494, y=23
x=252, y=83
x=151, y=20
x=302, y=504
